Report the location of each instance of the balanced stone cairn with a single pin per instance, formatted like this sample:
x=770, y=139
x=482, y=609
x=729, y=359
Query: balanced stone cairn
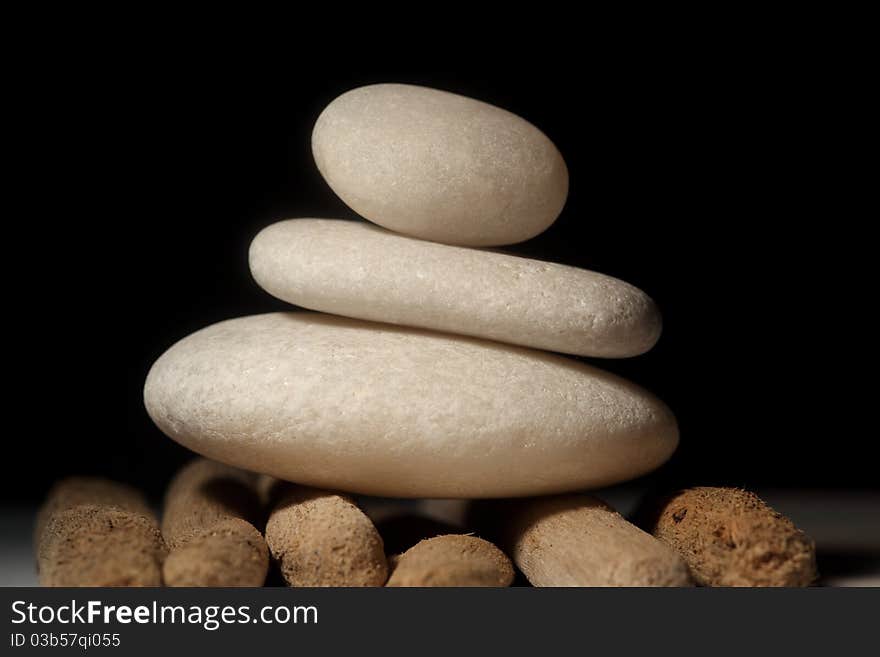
x=423, y=378
x=425, y=372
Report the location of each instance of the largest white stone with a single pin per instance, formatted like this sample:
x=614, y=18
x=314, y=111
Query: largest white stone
x=375, y=409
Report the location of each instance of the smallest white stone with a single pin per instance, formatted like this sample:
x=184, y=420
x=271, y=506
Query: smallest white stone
x=439, y=166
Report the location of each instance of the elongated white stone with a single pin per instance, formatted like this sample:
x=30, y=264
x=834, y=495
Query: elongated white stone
x=358, y=270
x=439, y=166
x=382, y=410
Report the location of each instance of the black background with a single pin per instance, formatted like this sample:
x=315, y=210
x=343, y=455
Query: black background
x=692, y=176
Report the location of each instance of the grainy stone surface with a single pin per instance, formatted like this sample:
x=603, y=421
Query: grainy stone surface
x=576, y=540
x=439, y=166
x=452, y=560
x=377, y=409
x=730, y=537
x=363, y=271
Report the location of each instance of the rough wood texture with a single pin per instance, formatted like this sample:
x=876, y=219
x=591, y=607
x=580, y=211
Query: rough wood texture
x=96, y=532
x=320, y=538
x=452, y=560
x=730, y=537
x=210, y=519
x=577, y=540
x=230, y=552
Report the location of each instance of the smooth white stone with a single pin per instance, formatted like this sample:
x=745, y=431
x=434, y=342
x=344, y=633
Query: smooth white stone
x=359, y=270
x=376, y=409
x=439, y=166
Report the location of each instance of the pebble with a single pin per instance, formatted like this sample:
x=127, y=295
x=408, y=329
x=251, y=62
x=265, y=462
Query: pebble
x=439, y=166
x=382, y=410
x=359, y=270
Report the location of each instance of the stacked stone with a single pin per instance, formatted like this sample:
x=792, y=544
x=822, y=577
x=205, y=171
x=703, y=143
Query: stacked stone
x=426, y=371
x=429, y=376
x=424, y=378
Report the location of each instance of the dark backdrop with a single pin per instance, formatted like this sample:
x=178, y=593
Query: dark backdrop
x=687, y=180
